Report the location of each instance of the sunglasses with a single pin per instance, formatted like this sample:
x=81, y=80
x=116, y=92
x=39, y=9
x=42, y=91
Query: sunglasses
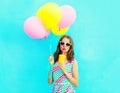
x=65, y=43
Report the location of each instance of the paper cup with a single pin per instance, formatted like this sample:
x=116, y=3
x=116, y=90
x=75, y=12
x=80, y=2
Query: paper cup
x=61, y=58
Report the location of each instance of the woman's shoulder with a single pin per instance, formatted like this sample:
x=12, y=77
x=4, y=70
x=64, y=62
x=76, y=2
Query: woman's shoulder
x=74, y=60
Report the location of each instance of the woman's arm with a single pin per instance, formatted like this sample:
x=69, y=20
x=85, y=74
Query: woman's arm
x=73, y=79
x=50, y=74
x=50, y=79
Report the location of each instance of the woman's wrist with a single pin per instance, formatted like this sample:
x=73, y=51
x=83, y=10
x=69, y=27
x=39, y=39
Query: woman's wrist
x=51, y=67
x=64, y=70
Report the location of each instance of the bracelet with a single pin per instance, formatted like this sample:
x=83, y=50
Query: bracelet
x=50, y=74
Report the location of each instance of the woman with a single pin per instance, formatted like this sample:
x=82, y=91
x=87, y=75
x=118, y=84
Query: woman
x=64, y=75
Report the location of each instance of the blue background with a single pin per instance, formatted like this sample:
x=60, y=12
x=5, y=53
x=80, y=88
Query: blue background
x=96, y=33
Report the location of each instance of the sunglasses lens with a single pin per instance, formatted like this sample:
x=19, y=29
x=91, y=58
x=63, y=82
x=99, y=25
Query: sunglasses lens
x=62, y=43
x=67, y=44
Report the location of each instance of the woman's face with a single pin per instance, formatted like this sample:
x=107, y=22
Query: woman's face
x=65, y=45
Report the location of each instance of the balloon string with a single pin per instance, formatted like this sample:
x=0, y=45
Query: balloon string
x=50, y=47
x=51, y=40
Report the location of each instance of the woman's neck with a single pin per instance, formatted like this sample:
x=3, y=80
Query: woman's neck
x=64, y=53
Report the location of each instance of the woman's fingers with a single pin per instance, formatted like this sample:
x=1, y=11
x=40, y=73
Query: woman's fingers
x=61, y=65
x=51, y=60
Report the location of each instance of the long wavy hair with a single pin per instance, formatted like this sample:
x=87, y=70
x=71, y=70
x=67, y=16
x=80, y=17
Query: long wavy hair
x=70, y=53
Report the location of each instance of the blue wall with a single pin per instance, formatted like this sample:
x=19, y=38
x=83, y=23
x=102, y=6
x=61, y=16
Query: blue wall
x=96, y=33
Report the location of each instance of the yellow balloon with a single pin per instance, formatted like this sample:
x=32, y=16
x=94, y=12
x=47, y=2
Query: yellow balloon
x=59, y=31
x=50, y=14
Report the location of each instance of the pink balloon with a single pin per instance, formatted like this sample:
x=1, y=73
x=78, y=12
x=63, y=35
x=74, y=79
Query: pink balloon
x=35, y=28
x=46, y=35
x=68, y=16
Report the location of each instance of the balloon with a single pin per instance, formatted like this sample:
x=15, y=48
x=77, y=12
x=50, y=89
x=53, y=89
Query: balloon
x=68, y=16
x=46, y=34
x=34, y=28
x=50, y=14
x=59, y=31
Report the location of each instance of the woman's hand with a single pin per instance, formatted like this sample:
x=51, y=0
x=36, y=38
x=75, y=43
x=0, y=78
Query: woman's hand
x=62, y=66
x=51, y=60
